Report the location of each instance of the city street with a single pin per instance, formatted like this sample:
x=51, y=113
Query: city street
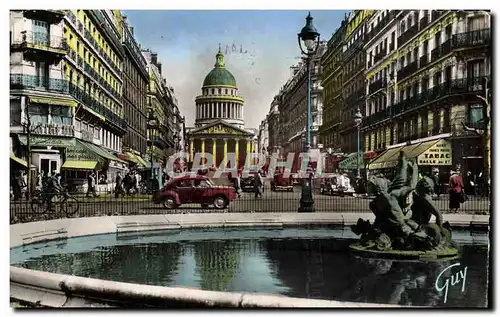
x=270, y=202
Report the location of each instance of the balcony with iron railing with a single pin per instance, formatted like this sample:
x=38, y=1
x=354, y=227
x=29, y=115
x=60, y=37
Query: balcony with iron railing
x=449, y=88
x=88, y=36
x=55, y=129
x=471, y=39
x=407, y=35
x=407, y=70
x=441, y=51
x=93, y=73
x=377, y=85
x=31, y=82
x=80, y=94
x=41, y=41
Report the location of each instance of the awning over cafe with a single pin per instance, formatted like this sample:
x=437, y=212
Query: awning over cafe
x=54, y=101
x=20, y=161
x=88, y=152
x=429, y=153
x=80, y=165
x=136, y=159
x=351, y=161
x=45, y=140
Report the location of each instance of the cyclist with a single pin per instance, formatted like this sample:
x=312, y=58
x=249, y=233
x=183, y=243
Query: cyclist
x=53, y=187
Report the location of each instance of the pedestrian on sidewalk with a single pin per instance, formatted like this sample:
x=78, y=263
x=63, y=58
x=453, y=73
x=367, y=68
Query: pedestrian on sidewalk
x=456, y=191
x=437, y=185
x=119, y=185
x=257, y=184
x=91, y=185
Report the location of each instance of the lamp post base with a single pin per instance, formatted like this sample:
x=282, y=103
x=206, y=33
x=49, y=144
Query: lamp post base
x=306, y=199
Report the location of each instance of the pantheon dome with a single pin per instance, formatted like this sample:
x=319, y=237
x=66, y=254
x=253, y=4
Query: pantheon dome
x=219, y=99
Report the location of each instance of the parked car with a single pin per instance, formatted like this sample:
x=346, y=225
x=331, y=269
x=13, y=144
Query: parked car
x=336, y=184
x=280, y=182
x=247, y=182
x=194, y=189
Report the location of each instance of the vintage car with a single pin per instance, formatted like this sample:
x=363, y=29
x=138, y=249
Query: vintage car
x=247, y=181
x=194, y=189
x=280, y=182
x=336, y=184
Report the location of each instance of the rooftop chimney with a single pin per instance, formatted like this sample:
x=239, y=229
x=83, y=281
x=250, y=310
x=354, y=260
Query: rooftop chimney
x=159, y=67
x=131, y=29
x=154, y=58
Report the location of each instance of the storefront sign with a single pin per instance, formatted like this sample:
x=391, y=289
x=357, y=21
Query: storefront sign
x=438, y=154
x=77, y=153
x=351, y=162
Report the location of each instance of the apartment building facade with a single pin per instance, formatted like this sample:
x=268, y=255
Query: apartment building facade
x=135, y=90
x=40, y=103
x=427, y=85
x=353, y=85
x=160, y=105
x=273, y=124
x=293, y=105
x=263, y=136
x=332, y=82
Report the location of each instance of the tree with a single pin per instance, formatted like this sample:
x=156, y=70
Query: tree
x=485, y=133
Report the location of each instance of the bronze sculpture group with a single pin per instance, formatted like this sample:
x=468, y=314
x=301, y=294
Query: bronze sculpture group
x=403, y=210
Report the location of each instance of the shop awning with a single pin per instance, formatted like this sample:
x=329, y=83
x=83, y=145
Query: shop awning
x=80, y=165
x=99, y=151
x=136, y=159
x=54, y=101
x=44, y=140
x=351, y=162
x=435, y=152
x=20, y=161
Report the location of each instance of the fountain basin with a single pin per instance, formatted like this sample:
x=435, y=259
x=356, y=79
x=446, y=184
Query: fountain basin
x=83, y=291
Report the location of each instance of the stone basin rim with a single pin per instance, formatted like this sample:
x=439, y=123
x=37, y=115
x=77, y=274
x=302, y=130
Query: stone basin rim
x=36, y=289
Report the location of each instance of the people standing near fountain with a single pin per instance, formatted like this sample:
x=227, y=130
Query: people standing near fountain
x=457, y=194
x=119, y=185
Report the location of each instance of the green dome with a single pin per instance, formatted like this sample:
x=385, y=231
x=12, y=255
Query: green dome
x=219, y=76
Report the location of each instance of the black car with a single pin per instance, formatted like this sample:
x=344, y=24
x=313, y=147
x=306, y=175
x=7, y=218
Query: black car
x=247, y=182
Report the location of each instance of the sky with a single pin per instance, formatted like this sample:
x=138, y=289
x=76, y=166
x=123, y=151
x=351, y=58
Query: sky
x=264, y=43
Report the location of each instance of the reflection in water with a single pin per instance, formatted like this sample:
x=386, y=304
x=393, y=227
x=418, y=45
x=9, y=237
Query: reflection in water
x=217, y=262
x=313, y=266
x=157, y=263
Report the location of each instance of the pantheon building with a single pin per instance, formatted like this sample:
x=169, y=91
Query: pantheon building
x=219, y=126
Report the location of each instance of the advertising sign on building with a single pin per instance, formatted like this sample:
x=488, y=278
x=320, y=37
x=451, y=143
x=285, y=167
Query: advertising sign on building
x=438, y=154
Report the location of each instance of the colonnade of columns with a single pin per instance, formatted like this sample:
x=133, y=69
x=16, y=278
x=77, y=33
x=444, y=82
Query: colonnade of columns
x=250, y=148
x=228, y=110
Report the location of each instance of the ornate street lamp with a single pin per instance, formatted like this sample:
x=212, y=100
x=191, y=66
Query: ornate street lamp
x=151, y=124
x=358, y=118
x=310, y=38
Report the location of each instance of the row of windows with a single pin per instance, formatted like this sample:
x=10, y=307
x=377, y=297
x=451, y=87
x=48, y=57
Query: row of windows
x=135, y=141
x=84, y=52
x=91, y=88
x=220, y=91
x=99, y=38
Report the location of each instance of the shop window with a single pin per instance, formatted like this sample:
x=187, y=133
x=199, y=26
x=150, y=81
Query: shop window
x=39, y=114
